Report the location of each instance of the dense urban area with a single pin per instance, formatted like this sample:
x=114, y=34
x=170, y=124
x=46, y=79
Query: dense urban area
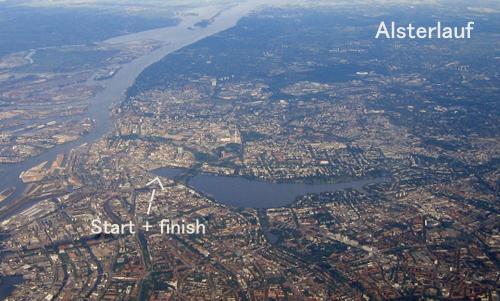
x=286, y=96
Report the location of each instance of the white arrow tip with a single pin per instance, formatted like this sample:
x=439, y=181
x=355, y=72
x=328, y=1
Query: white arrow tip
x=156, y=180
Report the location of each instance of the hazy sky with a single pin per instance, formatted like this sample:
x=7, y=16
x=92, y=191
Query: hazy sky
x=159, y=6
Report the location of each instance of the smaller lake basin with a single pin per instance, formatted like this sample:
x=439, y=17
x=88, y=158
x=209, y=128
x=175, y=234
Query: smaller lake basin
x=8, y=284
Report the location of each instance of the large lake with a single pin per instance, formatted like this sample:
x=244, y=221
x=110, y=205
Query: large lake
x=246, y=193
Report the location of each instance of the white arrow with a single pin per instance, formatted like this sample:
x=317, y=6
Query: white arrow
x=151, y=201
x=156, y=180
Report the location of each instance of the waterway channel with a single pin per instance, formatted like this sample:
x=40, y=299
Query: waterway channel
x=115, y=88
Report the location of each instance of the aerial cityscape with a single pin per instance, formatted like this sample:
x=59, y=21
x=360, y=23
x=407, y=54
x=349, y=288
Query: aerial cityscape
x=249, y=150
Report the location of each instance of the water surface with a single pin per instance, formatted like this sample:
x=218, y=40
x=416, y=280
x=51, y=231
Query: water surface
x=8, y=284
x=242, y=192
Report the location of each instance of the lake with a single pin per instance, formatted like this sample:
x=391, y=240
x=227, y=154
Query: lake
x=7, y=285
x=242, y=192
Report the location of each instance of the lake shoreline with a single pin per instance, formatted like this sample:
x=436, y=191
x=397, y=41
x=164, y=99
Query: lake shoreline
x=248, y=192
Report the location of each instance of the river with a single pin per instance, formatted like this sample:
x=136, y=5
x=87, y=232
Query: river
x=115, y=88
